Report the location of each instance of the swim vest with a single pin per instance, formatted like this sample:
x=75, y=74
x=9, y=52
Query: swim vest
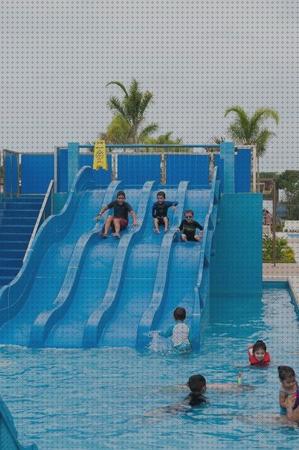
x=253, y=361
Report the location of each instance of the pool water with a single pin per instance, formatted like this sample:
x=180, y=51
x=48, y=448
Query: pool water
x=99, y=399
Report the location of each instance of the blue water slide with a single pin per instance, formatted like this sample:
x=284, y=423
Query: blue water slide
x=39, y=281
x=47, y=319
x=105, y=308
x=84, y=285
x=8, y=433
x=137, y=283
x=145, y=324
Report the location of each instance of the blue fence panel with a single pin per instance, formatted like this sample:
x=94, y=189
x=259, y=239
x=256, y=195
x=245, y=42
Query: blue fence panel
x=104, y=176
x=37, y=172
x=192, y=168
x=243, y=170
x=10, y=173
x=137, y=169
x=62, y=174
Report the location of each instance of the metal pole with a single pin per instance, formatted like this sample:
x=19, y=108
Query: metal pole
x=274, y=223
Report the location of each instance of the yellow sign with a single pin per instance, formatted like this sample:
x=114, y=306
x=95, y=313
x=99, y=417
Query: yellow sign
x=100, y=155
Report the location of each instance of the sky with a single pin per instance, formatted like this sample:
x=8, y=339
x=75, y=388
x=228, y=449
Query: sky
x=197, y=57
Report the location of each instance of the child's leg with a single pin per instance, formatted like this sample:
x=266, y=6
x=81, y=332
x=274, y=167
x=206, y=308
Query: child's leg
x=165, y=220
x=184, y=237
x=197, y=238
x=116, y=223
x=108, y=225
x=156, y=225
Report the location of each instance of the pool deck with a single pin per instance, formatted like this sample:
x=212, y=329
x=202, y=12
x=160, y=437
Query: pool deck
x=285, y=272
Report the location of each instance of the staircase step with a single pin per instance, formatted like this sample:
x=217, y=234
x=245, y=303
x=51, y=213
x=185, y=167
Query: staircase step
x=16, y=228
x=13, y=245
x=26, y=198
x=4, y=280
x=9, y=271
x=14, y=221
x=11, y=262
x=17, y=213
x=12, y=253
x=14, y=237
x=20, y=205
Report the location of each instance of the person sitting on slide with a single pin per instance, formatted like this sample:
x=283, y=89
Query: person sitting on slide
x=159, y=212
x=119, y=220
x=188, y=227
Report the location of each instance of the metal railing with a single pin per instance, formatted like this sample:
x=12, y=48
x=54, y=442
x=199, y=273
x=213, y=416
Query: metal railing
x=45, y=211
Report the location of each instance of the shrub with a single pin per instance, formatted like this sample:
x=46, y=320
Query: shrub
x=284, y=253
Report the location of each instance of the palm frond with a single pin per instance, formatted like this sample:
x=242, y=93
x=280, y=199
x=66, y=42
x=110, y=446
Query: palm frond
x=262, y=140
x=242, y=118
x=115, y=105
x=146, y=99
x=119, y=84
x=259, y=116
x=147, y=131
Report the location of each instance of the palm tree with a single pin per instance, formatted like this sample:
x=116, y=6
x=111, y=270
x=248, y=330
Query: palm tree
x=132, y=109
x=250, y=131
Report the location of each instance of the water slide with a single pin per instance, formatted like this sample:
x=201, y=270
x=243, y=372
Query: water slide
x=86, y=281
x=119, y=328
x=76, y=289
x=42, y=274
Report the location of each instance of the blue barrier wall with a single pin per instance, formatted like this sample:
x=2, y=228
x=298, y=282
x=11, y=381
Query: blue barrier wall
x=137, y=169
x=37, y=172
x=62, y=171
x=10, y=173
x=242, y=170
x=84, y=160
x=194, y=168
x=236, y=267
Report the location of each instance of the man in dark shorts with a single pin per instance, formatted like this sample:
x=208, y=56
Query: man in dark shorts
x=188, y=227
x=119, y=220
x=159, y=212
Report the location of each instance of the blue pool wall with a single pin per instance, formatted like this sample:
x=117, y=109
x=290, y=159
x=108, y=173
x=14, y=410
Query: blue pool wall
x=236, y=267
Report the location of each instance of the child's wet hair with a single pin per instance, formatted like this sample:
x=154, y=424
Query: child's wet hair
x=120, y=194
x=285, y=372
x=259, y=345
x=189, y=211
x=179, y=313
x=197, y=383
x=161, y=194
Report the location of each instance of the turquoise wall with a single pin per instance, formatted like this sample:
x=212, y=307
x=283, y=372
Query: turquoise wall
x=59, y=201
x=236, y=267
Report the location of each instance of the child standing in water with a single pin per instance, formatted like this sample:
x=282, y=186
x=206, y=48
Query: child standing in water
x=180, y=332
x=289, y=393
x=258, y=355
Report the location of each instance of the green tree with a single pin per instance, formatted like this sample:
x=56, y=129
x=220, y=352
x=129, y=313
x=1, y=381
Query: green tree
x=131, y=108
x=251, y=130
x=283, y=252
x=289, y=182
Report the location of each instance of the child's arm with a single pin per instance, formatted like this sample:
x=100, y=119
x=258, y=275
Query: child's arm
x=102, y=211
x=283, y=399
x=292, y=414
x=154, y=210
x=133, y=214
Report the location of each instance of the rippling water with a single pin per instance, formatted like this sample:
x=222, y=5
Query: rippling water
x=101, y=399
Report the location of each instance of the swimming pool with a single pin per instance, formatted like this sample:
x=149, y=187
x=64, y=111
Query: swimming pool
x=96, y=399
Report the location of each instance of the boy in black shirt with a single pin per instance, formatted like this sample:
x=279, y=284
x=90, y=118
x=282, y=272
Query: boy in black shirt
x=159, y=212
x=119, y=220
x=188, y=227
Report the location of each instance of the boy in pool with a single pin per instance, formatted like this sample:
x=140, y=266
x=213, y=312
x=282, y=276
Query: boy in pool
x=197, y=387
x=289, y=393
x=159, y=211
x=258, y=355
x=119, y=220
x=188, y=227
x=180, y=332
